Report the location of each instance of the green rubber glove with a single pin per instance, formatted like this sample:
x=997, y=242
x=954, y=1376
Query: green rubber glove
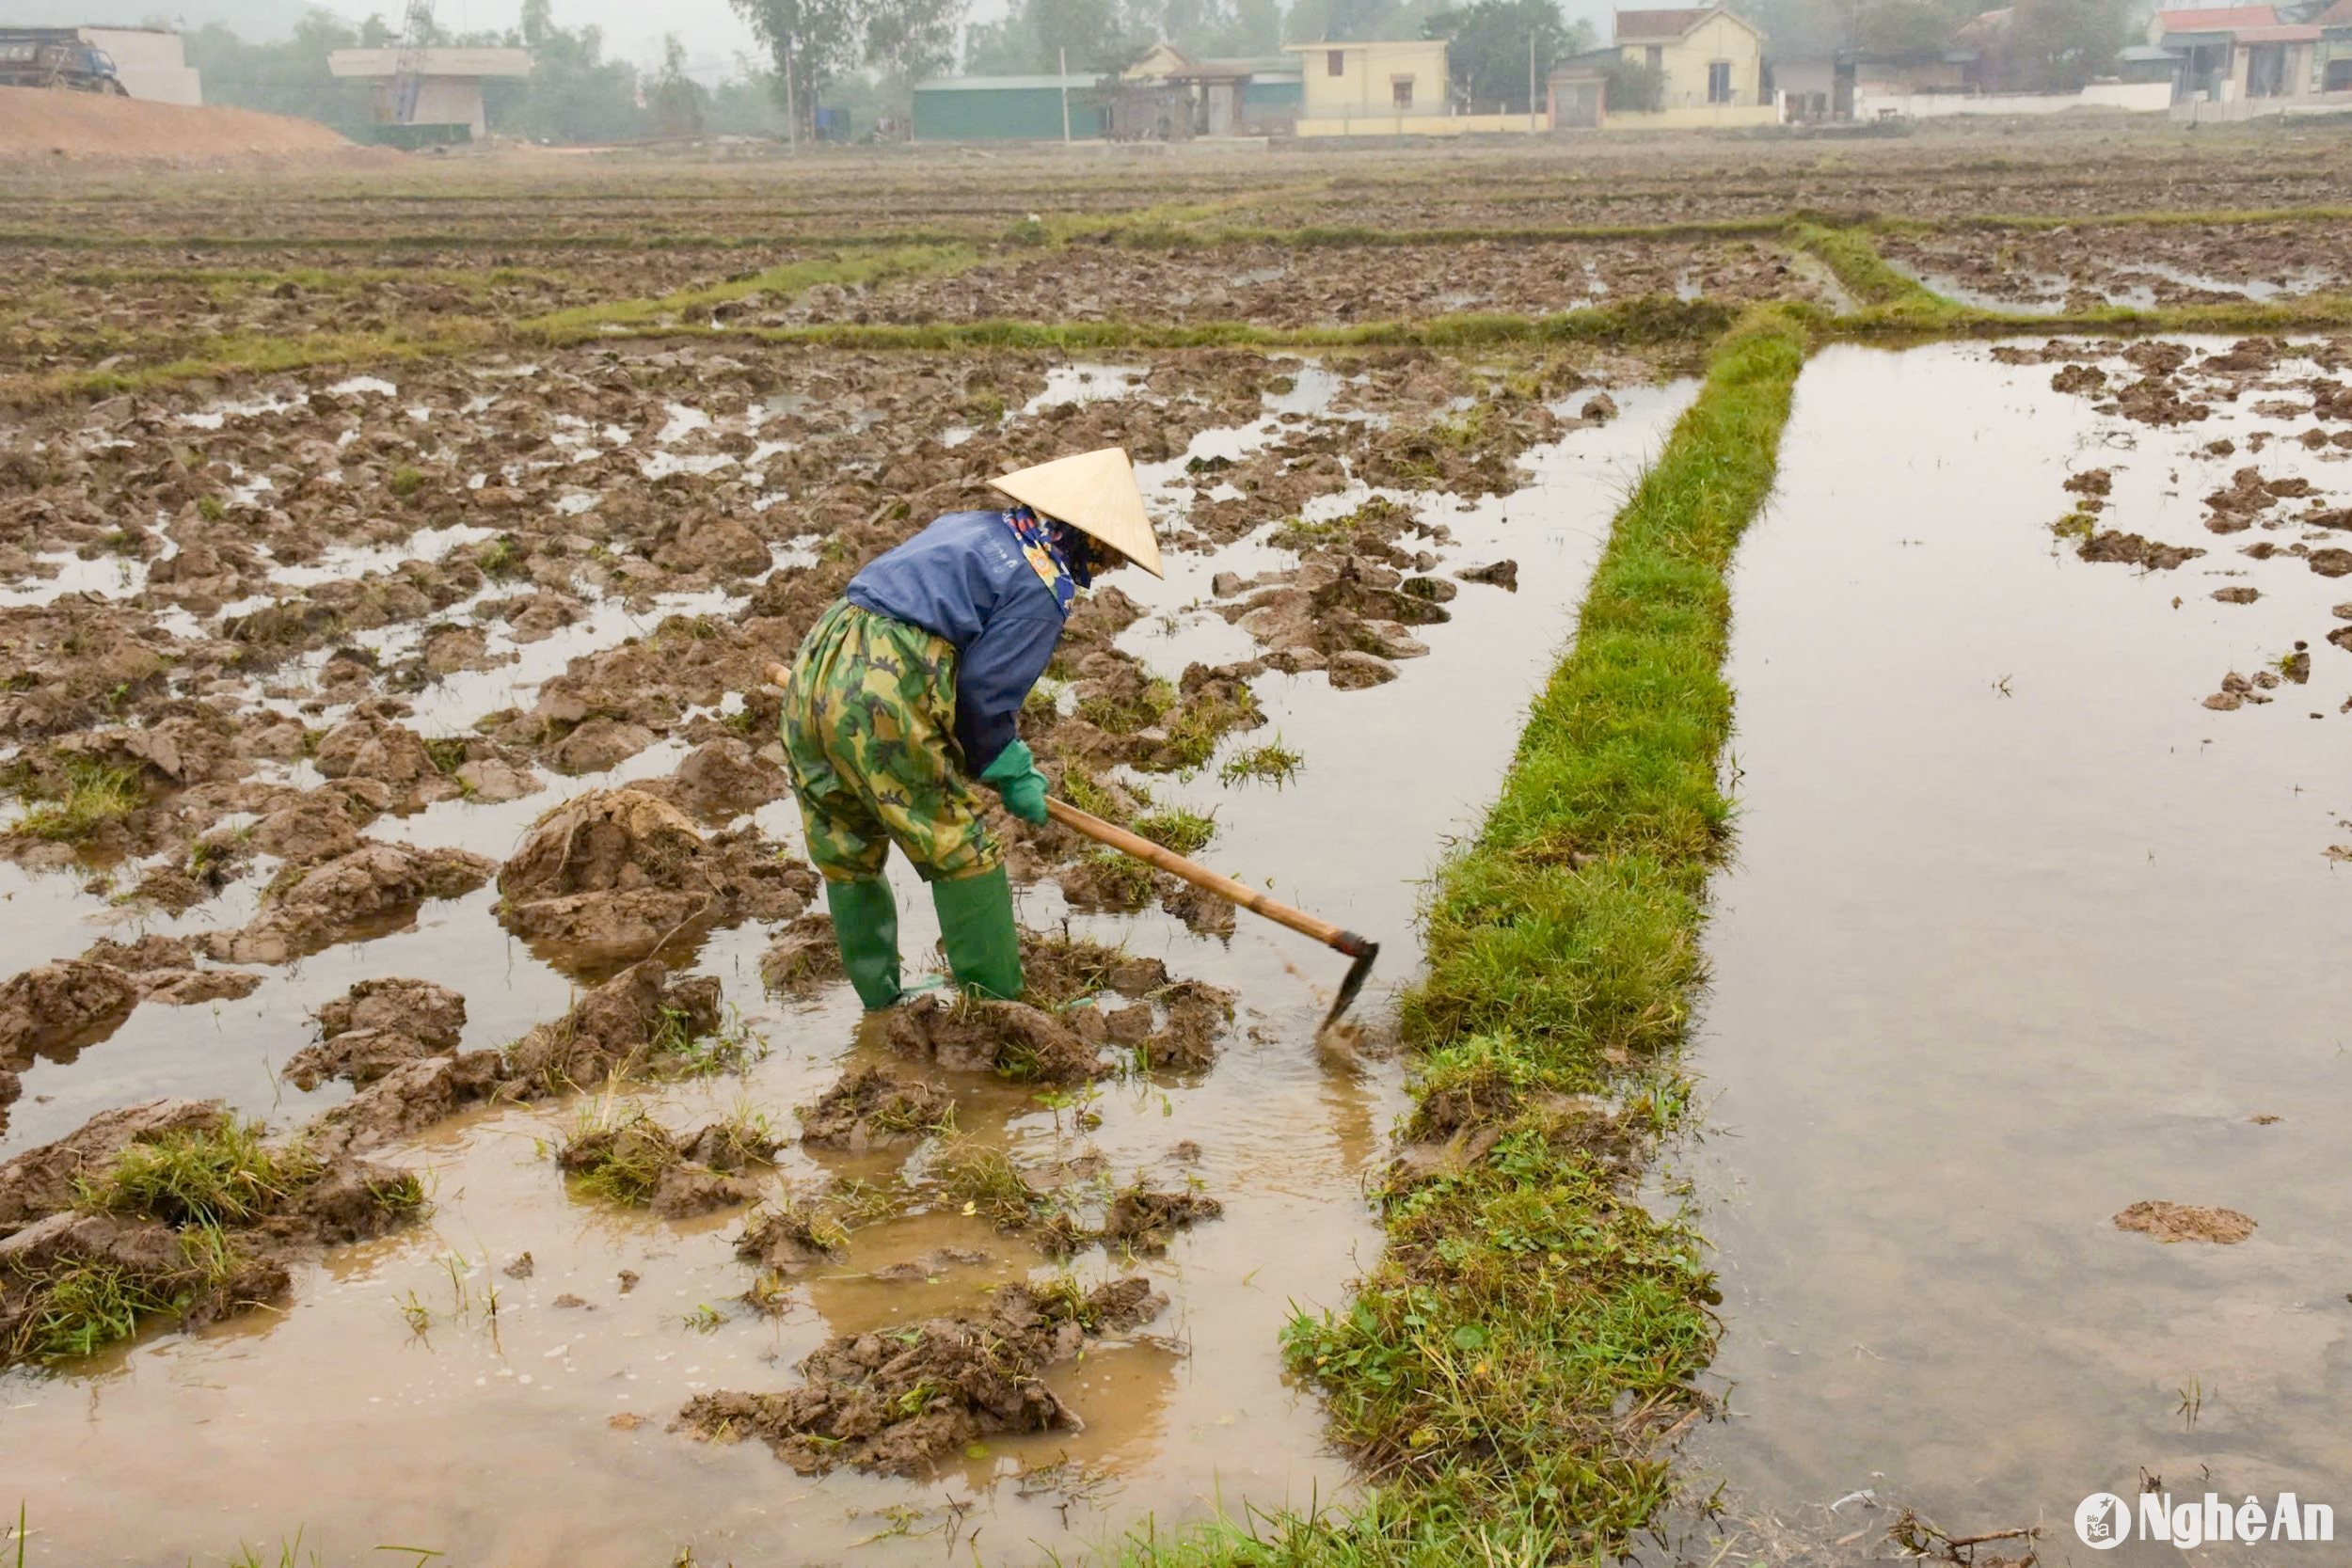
x=976, y=926
x=1014, y=774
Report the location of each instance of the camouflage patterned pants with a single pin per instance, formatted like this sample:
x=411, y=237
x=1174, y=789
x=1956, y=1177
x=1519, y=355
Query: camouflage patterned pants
x=869, y=737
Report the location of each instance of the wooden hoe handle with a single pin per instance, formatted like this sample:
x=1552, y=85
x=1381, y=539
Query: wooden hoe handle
x=1226, y=888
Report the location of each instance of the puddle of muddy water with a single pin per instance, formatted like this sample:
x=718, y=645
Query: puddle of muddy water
x=2018, y=935
x=388, y=1401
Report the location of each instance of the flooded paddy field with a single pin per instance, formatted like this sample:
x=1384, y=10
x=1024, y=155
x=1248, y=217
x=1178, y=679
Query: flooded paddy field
x=2085, y=266
x=386, y=593
x=386, y=650
x=2025, y=1047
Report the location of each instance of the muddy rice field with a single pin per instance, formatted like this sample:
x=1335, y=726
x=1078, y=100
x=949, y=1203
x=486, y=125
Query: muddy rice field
x=431, y=1110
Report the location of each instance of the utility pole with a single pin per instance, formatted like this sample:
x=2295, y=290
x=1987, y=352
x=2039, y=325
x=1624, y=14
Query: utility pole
x=792, y=106
x=1064, y=49
x=1531, y=80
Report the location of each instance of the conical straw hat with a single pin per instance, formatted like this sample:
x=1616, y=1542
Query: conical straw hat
x=1095, y=492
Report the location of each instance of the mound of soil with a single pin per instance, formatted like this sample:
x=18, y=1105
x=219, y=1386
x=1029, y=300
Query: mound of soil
x=804, y=958
x=611, y=874
x=1009, y=1038
x=875, y=1108
x=86, y=125
x=366, y=892
x=2186, y=1222
x=1144, y=1222
x=785, y=1240
x=52, y=1245
x=379, y=1025
x=899, y=1401
x=621, y=1022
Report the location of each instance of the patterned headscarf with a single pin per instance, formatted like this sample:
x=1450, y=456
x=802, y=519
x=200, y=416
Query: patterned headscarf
x=1056, y=550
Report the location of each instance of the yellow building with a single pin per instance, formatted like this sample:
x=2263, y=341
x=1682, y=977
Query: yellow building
x=1396, y=87
x=1711, y=64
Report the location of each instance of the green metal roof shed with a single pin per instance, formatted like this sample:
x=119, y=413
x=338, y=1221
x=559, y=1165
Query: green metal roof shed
x=1005, y=108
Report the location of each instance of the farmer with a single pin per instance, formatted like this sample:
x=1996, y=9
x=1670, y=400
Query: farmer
x=906, y=690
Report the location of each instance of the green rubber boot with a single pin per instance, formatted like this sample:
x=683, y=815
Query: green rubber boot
x=976, y=922
x=866, y=928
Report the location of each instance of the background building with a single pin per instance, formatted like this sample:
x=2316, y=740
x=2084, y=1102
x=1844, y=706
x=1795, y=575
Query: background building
x=1006, y=108
x=448, y=85
x=1708, y=60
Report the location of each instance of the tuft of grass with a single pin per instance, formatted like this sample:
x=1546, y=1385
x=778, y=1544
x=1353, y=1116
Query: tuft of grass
x=618, y=1156
x=1197, y=727
x=984, y=1180
x=1125, y=881
x=677, y=1049
x=226, y=1175
x=1085, y=791
x=1130, y=715
x=406, y=480
x=84, y=796
x=1271, y=763
x=1187, y=832
x=499, y=558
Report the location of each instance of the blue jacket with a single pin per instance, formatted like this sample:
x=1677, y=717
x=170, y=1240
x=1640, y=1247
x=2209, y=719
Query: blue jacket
x=965, y=579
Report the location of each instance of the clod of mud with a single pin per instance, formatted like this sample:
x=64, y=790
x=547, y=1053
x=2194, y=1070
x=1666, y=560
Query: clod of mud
x=899, y=1401
x=2133, y=550
x=611, y=875
x=408, y=1099
x=2184, y=1222
x=392, y=753
x=794, y=1236
x=1145, y=1222
x=59, y=1007
x=2238, y=596
x=367, y=892
x=1009, y=1038
x=722, y=779
x=626, y=1020
x=875, y=1108
x=379, y=1025
x=1502, y=574
x=804, y=958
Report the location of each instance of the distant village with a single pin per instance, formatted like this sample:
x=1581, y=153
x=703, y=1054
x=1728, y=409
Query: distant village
x=1702, y=67
x=1708, y=67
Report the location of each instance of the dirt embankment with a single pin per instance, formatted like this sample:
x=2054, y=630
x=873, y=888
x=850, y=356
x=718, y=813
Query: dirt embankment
x=85, y=125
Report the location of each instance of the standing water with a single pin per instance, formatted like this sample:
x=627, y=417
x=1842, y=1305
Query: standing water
x=2019, y=934
x=430, y=1389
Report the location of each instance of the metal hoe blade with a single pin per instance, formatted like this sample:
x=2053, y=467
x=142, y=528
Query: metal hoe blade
x=1364, y=951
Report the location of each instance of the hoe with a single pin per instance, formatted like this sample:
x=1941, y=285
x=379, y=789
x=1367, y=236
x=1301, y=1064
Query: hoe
x=1361, y=949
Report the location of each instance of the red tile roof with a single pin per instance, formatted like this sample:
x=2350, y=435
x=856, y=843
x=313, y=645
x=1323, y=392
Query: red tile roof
x=2285, y=33
x=1632, y=26
x=2337, y=15
x=2220, y=19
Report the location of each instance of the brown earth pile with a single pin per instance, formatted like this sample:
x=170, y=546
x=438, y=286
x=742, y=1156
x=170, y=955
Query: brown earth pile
x=85, y=125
